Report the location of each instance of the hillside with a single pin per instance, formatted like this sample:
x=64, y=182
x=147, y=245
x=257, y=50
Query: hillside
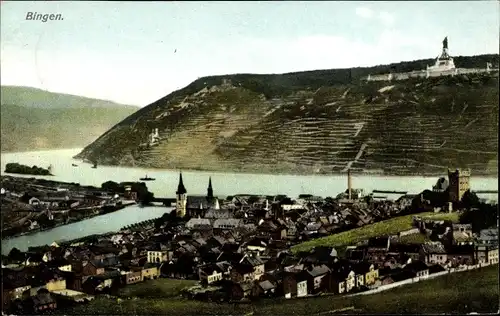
x=317, y=122
x=33, y=119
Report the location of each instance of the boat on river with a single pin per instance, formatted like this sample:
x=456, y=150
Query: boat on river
x=146, y=178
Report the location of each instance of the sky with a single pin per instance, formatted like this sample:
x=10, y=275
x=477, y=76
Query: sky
x=138, y=52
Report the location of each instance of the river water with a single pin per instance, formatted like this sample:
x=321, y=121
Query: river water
x=196, y=182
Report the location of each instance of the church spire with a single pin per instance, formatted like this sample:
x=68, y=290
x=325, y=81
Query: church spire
x=210, y=191
x=180, y=188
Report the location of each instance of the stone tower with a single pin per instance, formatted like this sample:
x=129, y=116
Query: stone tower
x=458, y=184
x=210, y=191
x=181, y=199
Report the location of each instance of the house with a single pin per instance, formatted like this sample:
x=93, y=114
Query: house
x=195, y=223
x=242, y=273
x=33, y=258
x=301, y=287
x=354, y=254
x=265, y=288
x=433, y=252
x=219, y=213
x=463, y=228
x=366, y=273
x=74, y=280
x=486, y=254
x=321, y=255
x=343, y=277
x=462, y=234
x=273, y=229
x=350, y=281
x=294, y=284
x=54, y=281
x=158, y=255
x=42, y=302
x=405, y=250
x=225, y=267
x=396, y=276
x=258, y=245
x=312, y=229
x=256, y=263
x=210, y=273
x=101, y=282
x=314, y=276
x=227, y=223
x=150, y=271
x=291, y=230
x=419, y=268
x=489, y=236
x=36, y=285
x=337, y=280
x=60, y=264
x=241, y=290
x=133, y=276
x=461, y=254
x=94, y=200
x=14, y=284
x=88, y=268
x=215, y=241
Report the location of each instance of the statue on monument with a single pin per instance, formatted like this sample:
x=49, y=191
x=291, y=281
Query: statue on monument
x=445, y=43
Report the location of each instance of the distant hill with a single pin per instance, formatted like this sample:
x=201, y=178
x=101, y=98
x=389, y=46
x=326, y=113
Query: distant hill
x=33, y=119
x=319, y=121
x=37, y=98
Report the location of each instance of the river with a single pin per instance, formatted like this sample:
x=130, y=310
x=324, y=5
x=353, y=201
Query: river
x=196, y=182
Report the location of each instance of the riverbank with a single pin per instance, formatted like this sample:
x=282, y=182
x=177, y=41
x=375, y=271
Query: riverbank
x=97, y=225
x=298, y=171
x=102, y=211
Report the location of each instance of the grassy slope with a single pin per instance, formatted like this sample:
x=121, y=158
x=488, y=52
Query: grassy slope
x=455, y=293
x=387, y=227
x=35, y=119
x=283, y=123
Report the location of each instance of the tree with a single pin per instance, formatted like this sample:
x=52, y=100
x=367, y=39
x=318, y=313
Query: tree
x=16, y=254
x=470, y=200
x=111, y=186
x=482, y=217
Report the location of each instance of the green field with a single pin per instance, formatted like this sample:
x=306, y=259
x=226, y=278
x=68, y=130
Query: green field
x=387, y=227
x=462, y=292
x=414, y=239
x=159, y=288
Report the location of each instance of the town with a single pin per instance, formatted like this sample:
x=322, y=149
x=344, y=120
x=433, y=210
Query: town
x=247, y=247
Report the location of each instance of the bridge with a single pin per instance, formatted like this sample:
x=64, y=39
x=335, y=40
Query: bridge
x=485, y=191
x=165, y=201
x=390, y=192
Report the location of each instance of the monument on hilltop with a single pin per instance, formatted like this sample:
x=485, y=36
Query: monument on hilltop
x=444, y=62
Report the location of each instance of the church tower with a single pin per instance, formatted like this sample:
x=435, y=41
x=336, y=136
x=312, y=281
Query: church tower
x=210, y=191
x=458, y=184
x=181, y=199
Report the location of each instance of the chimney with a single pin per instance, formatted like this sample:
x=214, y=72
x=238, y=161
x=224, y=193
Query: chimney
x=349, y=184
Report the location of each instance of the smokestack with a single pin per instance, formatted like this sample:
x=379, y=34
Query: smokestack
x=349, y=184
